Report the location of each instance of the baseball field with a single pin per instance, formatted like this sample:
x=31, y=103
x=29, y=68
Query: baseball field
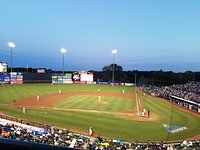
x=112, y=111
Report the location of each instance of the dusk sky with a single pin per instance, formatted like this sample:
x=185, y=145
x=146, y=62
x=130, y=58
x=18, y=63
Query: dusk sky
x=148, y=34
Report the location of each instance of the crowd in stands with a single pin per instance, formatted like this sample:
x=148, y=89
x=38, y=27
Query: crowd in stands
x=189, y=91
x=66, y=138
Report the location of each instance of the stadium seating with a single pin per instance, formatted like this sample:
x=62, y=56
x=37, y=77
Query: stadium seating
x=17, y=137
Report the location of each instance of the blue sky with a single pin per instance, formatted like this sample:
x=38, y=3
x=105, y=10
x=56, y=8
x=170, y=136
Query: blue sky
x=148, y=34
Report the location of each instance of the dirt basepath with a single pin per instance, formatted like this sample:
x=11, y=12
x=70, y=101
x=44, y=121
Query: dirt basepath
x=139, y=104
x=48, y=102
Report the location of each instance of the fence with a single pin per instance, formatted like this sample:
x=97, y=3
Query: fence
x=23, y=121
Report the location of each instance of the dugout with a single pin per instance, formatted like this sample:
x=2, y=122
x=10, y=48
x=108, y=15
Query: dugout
x=191, y=105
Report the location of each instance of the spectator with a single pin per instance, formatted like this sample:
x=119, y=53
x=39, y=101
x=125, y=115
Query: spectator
x=66, y=138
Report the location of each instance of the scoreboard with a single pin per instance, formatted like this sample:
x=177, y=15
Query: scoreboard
x=83, y=77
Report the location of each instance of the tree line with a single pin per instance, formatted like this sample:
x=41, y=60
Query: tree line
x=153, y=78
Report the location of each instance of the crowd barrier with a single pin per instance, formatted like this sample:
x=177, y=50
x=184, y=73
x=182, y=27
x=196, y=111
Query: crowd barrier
x=23, y=121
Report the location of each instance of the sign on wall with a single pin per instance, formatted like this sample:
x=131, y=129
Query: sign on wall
x=16, y=78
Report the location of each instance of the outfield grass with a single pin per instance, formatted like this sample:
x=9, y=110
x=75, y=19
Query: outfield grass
x=105, y=125
x=10, y=92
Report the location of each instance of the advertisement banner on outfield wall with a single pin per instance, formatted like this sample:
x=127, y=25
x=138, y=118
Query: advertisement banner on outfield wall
x=16, y=81
x=79, y=82
x=91, y=82
x=103, y=83
x=68, y=76
x=60, y=79
x=129, y=84
x=55, y=78
x=1, y=78
x=4, y=79
x=7, y=79
x=67, y=82
x=115, y=83
x=16, y=78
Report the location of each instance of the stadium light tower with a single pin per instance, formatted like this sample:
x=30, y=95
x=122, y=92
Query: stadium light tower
x=63, y=51
x=114, y=51
x=11, y=45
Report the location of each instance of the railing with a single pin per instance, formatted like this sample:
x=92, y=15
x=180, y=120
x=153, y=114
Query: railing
x=23, y=121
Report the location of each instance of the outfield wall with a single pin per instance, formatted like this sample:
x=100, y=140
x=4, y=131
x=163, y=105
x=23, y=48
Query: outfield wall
x=55, y=78
x=29, y=77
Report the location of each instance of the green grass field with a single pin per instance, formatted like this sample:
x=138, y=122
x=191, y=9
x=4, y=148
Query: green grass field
x=108, y=103
x=106, y=125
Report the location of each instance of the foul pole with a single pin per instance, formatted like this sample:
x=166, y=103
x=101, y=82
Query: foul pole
x=136, y=97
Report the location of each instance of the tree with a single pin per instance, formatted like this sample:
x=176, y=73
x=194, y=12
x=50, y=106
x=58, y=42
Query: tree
x=118, y=70
x=188, y=76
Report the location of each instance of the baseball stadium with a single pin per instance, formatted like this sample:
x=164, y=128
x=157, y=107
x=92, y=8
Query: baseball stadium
x=99, y=75
x=95, y=114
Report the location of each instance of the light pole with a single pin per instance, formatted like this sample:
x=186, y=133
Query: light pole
x=11, y=45
x=63, y=51
x=114, y=51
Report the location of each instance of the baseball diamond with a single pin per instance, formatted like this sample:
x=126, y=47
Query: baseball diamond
x=118, y=115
